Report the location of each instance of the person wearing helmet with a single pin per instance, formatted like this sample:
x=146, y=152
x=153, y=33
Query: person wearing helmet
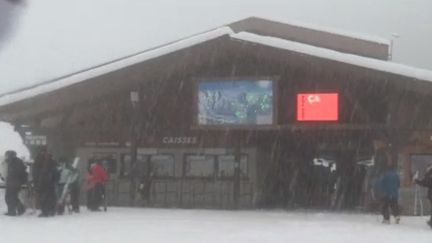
x=426, y=181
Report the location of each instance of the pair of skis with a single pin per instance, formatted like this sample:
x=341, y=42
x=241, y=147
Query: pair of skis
x=65, y=195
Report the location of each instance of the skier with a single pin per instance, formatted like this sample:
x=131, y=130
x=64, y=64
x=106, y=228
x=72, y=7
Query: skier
x=382, y=156
x=381, y=159
x=69, y=178
x=426, y=181
x=96, y=179
x=16, y=177
x=389, y=185
x=45, y=176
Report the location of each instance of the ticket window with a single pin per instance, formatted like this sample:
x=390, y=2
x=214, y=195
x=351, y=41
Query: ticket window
x=141, y=166
x=226, y=166
x=162, y=166
x=419, y=163
x=202, y=166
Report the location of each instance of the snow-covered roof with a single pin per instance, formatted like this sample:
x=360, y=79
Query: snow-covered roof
x=112, y=66
x=384, y=66
x=371, y=63
x=354, y=35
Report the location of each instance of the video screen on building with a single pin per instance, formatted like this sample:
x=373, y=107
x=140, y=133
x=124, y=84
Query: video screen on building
x=318, y=107
x=243, y=102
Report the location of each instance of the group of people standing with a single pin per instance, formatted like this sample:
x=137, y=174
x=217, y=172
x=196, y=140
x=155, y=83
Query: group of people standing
x=53, y=185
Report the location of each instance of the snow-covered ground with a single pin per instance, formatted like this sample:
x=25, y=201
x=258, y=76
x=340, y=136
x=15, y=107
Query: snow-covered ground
x=122, y=225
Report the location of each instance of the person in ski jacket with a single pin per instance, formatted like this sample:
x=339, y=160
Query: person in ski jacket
x=69, y=178
x=16, y=177
x=389, y=185
x=426, y=181
x=381, y=160
x=45, y=177
x=96, y=179
x=382, y=156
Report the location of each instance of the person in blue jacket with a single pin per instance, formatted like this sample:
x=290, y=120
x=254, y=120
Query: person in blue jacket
x=390, y=184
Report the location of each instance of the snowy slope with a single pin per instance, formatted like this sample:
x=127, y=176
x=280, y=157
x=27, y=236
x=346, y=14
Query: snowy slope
x=121, y=225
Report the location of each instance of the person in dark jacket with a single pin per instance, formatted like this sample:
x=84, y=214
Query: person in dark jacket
x=426, y=181
x=390, y=184
x=45, y=176
x=382, y=156
x=16, y=177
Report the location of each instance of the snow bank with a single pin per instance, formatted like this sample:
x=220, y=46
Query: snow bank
x=122, y=225
x=11, y=140
x=385, y=66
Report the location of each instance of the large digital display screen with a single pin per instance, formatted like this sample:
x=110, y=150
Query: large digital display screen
x=239, y=102
x=318, y=107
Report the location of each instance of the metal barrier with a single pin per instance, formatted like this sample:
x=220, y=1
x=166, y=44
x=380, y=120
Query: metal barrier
x=184, y=193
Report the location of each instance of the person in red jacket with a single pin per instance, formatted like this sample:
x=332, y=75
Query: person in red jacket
x=96, y=179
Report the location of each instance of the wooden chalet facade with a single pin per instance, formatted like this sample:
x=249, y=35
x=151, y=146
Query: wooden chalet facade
x=90, y=115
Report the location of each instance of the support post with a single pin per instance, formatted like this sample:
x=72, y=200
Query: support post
x=134, y=140
x=237, y=159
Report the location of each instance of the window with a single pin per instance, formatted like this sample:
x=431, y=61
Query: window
x=200, y=166
x=162, y=165
x=419, y=163
x=141, y=165
x=226, y=166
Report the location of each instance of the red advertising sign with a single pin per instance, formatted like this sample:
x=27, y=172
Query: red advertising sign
x=317, y=107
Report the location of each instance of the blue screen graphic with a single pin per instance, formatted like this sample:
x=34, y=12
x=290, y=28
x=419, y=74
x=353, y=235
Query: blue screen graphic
x=244, y=102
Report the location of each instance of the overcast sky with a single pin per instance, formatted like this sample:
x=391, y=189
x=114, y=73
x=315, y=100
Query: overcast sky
x=56, y=37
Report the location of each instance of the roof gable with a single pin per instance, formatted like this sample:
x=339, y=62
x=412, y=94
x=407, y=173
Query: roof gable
x=356, y=60
x=318, y=36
